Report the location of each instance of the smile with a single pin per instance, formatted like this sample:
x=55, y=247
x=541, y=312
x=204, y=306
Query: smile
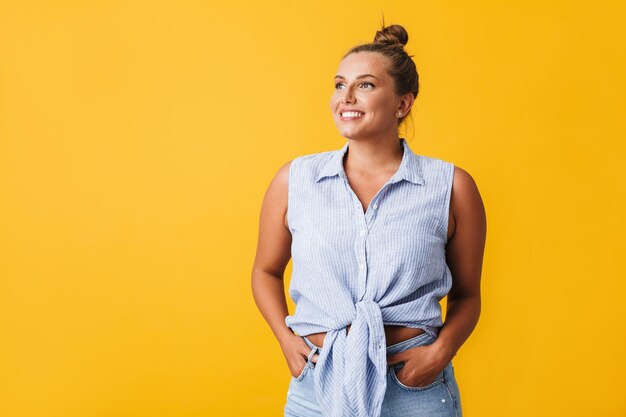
x=351, y=115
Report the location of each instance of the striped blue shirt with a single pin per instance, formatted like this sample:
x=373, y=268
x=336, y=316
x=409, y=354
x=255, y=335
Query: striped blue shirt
x=368, y=268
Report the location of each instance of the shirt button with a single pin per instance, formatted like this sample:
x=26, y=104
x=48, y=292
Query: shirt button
x=375, y=206
x=362, y=233
x=362, y=266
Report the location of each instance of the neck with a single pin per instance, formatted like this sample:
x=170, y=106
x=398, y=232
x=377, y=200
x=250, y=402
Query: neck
x=373, y=157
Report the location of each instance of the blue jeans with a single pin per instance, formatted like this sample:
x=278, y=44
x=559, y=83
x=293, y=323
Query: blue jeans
x=440, y=398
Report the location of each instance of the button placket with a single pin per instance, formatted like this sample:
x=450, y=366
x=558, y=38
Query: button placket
x=363, y=222
x=361, y=250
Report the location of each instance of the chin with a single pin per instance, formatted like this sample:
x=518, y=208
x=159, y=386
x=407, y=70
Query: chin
x=350, y=134
x=346, y=135
x=345, y=132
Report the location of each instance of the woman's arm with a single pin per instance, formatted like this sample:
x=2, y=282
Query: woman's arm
x=272, y=255
x=464, y=255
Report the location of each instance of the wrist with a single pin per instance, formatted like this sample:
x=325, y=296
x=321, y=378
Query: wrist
x=284, y=334
x=444, y=350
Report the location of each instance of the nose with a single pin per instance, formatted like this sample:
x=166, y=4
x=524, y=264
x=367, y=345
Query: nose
x=348, y=97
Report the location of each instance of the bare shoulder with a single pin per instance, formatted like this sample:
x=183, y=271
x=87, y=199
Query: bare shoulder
x=280, y=182
x=466, y=204
x=276, y=196
x=463, y=181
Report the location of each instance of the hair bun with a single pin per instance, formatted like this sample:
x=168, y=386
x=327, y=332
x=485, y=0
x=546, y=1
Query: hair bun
x=392, y=35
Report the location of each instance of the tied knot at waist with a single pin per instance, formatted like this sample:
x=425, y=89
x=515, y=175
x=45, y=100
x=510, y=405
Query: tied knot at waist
x=351, y=371
x=367, y=325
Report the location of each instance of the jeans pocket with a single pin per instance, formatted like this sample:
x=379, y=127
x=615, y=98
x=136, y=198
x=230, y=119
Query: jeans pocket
x=438, y=380
x=307, y=365
x=304, y=370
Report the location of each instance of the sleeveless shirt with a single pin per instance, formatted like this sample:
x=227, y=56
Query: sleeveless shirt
x=385, y=265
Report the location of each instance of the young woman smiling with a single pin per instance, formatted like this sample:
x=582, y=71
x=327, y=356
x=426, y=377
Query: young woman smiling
x=378, y=235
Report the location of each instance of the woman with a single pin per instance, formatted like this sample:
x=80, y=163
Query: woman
x=378, y=236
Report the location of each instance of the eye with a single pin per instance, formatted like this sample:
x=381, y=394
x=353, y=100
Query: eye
x=365, y=83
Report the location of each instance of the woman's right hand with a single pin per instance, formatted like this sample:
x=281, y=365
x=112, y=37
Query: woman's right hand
x=296, y=352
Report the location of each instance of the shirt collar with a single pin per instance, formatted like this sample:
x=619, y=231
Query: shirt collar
x=410, y=168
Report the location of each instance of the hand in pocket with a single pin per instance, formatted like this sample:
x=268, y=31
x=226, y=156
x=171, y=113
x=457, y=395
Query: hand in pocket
x=296, y=352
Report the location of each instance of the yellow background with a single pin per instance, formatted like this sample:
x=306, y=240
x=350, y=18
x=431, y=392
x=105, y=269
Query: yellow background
x=137, y=140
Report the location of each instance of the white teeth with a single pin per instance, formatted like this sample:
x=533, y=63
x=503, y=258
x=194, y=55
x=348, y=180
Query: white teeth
x=352, y=114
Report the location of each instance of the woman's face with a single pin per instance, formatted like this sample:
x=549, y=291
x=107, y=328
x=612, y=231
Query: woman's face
x=363, y=85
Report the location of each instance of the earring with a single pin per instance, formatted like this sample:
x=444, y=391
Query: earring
x=399, y=114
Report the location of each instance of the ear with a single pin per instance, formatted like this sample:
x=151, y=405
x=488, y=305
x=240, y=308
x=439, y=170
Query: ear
x=405, y=104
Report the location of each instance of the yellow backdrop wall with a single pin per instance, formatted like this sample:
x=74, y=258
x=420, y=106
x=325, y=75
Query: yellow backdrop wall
x=137, y=139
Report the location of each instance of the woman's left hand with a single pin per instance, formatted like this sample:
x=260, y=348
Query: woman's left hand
x=422, y=364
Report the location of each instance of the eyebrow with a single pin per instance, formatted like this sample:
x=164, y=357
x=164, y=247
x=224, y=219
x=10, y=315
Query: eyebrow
x=360, y=76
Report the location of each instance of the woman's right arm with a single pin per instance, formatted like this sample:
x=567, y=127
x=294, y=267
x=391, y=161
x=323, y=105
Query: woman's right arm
x=272, y=256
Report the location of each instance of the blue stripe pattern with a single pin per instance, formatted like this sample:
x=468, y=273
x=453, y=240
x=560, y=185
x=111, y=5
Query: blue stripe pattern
x=366, y=268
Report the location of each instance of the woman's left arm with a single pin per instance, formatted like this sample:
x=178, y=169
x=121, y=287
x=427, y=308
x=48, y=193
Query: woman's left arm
x=464, y=256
